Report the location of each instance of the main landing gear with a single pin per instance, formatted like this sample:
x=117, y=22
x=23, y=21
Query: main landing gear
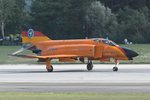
x=49, y=67
x=115, y=69
x=89, y=65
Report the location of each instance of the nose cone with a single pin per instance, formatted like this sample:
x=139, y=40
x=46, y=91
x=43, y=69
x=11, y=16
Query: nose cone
x=130, y=54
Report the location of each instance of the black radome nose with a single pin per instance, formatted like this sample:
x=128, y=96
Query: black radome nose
x=130, y=53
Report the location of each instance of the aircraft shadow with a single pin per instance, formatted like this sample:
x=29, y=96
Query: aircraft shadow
x=75, y=71
x=55, y=71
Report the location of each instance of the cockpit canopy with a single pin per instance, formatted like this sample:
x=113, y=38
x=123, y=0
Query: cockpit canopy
x=105, y=41
x=109, y=42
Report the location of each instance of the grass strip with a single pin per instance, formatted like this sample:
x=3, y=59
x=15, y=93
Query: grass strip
x=74, y=96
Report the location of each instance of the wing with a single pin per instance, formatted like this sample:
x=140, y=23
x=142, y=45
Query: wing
x=46, y=57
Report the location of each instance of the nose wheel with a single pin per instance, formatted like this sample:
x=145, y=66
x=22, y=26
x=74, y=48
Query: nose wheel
x=89, y=66
x=115, y=69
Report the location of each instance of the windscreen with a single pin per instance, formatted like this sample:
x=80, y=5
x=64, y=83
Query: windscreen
x=111, y=43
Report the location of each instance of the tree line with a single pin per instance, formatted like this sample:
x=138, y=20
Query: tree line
x=76, y=19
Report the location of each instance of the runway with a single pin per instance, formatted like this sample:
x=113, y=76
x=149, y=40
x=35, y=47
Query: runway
x=75, y=78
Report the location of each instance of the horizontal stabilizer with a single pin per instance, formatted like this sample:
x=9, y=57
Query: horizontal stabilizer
x=24, y=47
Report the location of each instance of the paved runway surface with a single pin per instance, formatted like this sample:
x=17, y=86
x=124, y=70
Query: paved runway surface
x=75, y=78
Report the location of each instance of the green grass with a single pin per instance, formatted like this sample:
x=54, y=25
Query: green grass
x=74, y=96
x=5, y=58
x=142, y=49
x=144, y=53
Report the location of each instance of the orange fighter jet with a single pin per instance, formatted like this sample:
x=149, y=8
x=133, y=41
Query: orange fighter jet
x=72, y=50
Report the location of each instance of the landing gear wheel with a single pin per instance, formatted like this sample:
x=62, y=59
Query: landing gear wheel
x=90, y=66
x=50, y=69
x=115, y=69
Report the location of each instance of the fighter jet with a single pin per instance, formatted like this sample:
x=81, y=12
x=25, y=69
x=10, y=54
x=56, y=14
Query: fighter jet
x=83, y=50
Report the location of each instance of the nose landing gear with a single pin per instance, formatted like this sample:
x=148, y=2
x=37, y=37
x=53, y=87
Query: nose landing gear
x=115, y=69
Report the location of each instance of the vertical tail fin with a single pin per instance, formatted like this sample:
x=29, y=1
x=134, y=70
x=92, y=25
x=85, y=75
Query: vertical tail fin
x=32, y=36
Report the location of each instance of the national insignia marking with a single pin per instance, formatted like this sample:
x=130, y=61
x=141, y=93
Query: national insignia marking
x=30, y=33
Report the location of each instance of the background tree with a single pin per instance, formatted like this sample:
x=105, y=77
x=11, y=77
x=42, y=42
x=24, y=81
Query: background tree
x=100, y=20
x=18, y=17
x=77, y=18
x=134, y=24
x=60, y=19
x=6, y=7
x=49, y=16
x=68, y=19
x=12, y=16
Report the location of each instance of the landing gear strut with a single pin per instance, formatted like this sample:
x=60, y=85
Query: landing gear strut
x=49, y=67
x=115, y=69
x=89, y=65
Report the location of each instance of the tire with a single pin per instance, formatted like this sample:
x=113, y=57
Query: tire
x=115, y=69
x=89, y=66
x=50, y=70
